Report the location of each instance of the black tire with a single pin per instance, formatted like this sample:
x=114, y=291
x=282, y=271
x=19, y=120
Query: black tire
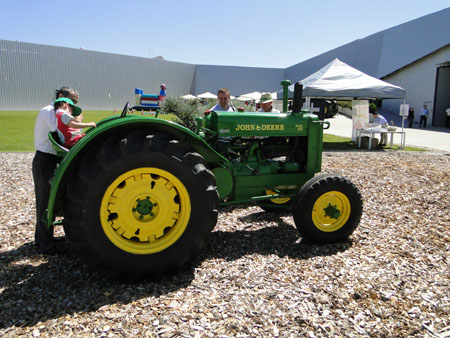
x=140, y=205
x=327, y=209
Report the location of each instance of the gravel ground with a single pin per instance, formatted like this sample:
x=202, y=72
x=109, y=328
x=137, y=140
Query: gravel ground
x=255, y=277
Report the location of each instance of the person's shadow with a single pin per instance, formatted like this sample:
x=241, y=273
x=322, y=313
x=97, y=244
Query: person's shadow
x=64, y=285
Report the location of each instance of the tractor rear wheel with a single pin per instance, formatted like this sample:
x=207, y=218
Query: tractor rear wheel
x=327, y=209
x=140, y=206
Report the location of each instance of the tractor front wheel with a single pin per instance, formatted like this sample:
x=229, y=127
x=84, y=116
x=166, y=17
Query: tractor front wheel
x=327, y=209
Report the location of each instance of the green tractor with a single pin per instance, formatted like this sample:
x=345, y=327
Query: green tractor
x=139, y=195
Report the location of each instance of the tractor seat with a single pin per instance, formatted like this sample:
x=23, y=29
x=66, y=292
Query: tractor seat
x=61, y=151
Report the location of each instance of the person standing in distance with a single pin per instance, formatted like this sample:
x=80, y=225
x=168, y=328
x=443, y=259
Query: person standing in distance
x=423, y=116
x=223, y=101
x=411, y=117
x=44, y=164
x=447, y=121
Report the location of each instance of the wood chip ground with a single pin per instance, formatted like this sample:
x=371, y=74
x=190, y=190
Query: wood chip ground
x=255, y=278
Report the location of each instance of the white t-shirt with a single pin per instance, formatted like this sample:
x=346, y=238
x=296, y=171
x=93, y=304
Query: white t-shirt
x=45, y=123
x=272, y=111
x=380, y=120
x=448, y=111
x=218, y=107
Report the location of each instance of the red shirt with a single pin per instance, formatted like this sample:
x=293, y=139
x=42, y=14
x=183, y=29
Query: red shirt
x=67, y=135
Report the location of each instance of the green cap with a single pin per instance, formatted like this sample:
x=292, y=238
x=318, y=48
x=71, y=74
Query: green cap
x=266, y=98
x=76, y=110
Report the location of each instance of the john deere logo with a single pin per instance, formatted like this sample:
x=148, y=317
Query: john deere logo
x=258, y=127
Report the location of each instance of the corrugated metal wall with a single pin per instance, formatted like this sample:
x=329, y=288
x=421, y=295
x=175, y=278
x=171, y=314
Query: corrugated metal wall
x=240, y=80
x=30, y=73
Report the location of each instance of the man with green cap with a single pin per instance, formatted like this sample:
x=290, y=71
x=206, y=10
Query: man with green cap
x=67, y=124
x=266, y=104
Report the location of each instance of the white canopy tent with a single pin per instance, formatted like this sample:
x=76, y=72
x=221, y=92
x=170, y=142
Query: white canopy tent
x=253, y=96
x=188, y=97
x=207, y=95
x=339, y=80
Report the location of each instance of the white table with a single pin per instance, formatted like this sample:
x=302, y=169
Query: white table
x=372, y=131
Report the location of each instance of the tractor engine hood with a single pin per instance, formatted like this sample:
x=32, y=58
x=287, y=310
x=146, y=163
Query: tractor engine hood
x=248, y=124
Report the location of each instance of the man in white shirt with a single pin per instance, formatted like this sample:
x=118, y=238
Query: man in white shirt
x=423, y=116
x=223, y=101
x=266, y=104
x=44, y=164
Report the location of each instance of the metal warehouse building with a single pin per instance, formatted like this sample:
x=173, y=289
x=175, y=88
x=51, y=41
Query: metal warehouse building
x=414, y=55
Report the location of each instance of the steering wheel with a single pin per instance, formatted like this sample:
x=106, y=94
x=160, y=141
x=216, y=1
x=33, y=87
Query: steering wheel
x=125, y=109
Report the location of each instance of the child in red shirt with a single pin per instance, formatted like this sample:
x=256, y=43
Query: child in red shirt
x=66, y=124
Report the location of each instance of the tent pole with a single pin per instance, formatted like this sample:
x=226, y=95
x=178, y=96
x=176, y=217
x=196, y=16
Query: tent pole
x=403, y=122
x=403, y=116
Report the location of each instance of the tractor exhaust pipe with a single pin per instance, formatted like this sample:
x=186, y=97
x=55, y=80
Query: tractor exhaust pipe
x=298, y=100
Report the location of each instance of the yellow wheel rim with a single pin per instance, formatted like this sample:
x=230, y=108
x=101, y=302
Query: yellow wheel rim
x=282, y=200
x=145, y=210
x=331, y=211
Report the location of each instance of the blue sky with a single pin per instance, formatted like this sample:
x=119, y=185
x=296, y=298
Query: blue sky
x=235, y=32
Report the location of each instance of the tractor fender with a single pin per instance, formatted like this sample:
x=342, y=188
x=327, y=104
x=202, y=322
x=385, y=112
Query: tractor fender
x=104, y=129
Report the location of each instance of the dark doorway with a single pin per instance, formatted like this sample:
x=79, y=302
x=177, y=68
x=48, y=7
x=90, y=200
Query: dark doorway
x=441, y=94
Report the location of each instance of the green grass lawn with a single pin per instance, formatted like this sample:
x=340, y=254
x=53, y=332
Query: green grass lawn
x=18, y=131
x=18, y=127
x=333, y=142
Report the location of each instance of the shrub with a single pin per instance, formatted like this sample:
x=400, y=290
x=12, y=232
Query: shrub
x=171, y=105
x=241, y=104
x=187, y=116
x=185, y=112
